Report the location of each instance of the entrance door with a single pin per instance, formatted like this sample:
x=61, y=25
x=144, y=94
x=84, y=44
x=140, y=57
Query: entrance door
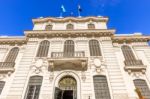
x=67, y=88
x=68, y=94
x=58, y=93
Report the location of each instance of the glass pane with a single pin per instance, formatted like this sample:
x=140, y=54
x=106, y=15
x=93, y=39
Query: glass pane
x=31, y=90
x=11, y=57
x=34, y=86
x=2, y=83
x=43, y=49
x=37, y=91
x=101, y=87
x=142, y=85
x=69, y=48
x=94, y=48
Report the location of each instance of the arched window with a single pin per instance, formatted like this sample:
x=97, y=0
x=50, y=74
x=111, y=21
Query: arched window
x=91, y=26
x=48, y=27
x=143, y=87
x=2, y=83
x=129, y=56
x=69, y=48
x=12, y=55
x=34, y=86
x=94, y=48
x=43, y=49
x=70, y=27
x=128, y=53
x=101, y=87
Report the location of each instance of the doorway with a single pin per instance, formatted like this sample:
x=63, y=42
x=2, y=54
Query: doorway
x=67, y=88
x=68, y=94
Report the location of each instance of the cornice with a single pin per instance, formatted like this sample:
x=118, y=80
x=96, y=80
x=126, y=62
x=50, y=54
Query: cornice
x=130, y=39
x=12, y=41
x=72, y=19
x=73, y=34
x=70, y=33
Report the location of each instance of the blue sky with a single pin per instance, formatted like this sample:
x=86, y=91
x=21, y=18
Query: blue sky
x=126, y=16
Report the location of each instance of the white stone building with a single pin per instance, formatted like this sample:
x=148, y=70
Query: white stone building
x=74, y=58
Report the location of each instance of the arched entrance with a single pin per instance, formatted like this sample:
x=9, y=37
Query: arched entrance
x=67, y=88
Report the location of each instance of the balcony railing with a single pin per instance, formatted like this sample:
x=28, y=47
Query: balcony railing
x=67, y=55
x=134, y=66
x=133, y=62
x=7, y=66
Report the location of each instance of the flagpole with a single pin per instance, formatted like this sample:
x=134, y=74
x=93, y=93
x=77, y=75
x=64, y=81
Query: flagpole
x=79, y=14
x=79, y=10
x=61, y=14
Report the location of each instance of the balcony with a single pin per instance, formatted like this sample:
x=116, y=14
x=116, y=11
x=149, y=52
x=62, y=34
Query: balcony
x=67, y=61
x=6, y=67
x=134, y=66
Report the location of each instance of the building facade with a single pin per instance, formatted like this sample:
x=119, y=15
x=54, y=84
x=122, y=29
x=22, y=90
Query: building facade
x=74, y=58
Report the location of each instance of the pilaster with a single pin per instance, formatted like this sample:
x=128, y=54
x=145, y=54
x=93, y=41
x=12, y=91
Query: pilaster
x=115, y=76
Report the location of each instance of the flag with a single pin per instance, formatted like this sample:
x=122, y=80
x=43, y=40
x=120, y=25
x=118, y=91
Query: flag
x=79, y=8
x=63, y=8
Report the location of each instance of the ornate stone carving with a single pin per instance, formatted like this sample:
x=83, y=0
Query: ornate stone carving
x=39, y=65
x=99, y=64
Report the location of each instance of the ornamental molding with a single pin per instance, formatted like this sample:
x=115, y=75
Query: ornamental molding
x=13, y=41
x=102, y=34
x=130, y=39
x=70, y=33
x=70, y=19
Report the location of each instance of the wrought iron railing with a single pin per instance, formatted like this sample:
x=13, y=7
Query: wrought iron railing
x=133, y=62
x=68, y=55
x=7, y=65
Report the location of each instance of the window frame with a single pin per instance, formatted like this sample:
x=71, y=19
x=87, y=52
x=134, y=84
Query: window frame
x=69, y=48
x=11, y=58
x=91, y=26
x=100, y=87
x=144, y=84
x=70, y=26
x=43, y=49
x=95, y=49
x=47, y=28
x=35, y=86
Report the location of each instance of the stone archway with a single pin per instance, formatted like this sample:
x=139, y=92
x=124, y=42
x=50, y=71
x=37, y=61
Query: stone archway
x=67, y=88
x=67, y=83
